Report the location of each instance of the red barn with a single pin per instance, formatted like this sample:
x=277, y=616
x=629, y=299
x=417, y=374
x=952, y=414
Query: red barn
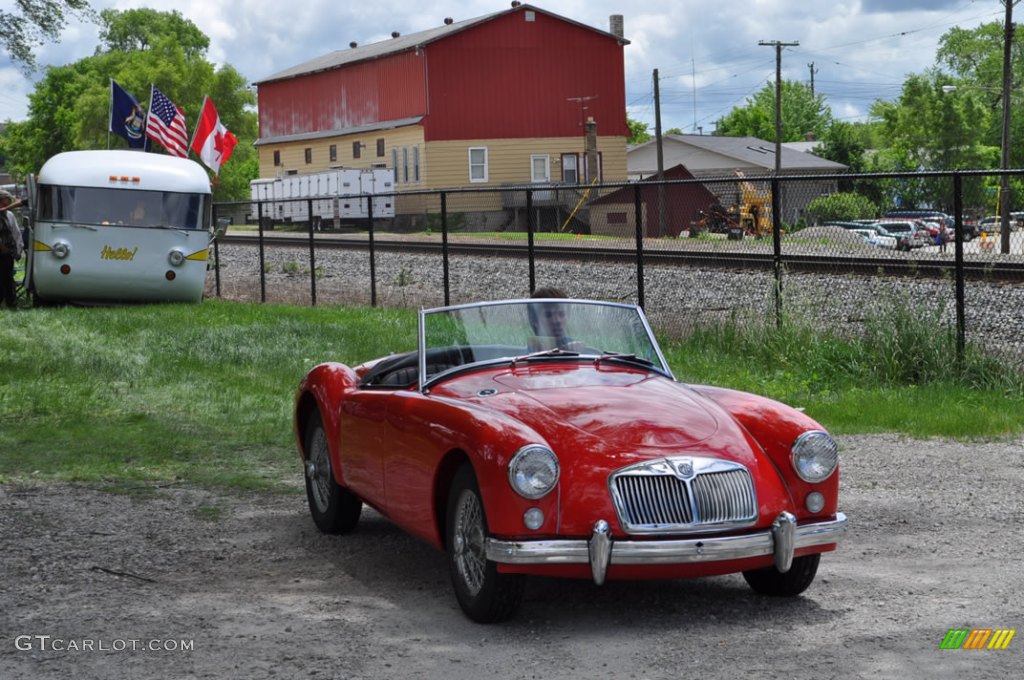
x=496, y=100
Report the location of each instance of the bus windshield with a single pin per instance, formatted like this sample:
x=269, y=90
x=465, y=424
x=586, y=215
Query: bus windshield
x=134, y=208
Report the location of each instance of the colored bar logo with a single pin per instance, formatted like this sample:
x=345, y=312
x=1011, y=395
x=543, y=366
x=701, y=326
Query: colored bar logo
x=978, y=638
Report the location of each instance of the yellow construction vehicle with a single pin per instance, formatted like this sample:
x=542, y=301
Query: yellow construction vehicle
x=755, y=211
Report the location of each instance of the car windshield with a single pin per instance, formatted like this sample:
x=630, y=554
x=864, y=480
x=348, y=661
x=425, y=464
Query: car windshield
x=517, y=331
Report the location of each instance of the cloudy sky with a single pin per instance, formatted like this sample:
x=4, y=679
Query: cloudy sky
x=706, y=51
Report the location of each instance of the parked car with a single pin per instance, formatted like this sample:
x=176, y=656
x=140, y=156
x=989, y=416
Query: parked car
x=970, y=229
x=909, y=233
x=874, y=237
x=518, y=450
x=990, y=225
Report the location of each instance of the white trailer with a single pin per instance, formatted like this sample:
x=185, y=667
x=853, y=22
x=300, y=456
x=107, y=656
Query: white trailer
x=336, y=194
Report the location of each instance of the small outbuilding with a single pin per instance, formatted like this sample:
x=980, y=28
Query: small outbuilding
x=682, y=197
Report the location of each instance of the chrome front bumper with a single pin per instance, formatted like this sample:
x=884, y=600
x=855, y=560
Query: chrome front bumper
x=600, y=550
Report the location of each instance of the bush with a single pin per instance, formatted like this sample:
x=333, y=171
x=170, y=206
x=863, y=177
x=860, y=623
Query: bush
x=842, y=206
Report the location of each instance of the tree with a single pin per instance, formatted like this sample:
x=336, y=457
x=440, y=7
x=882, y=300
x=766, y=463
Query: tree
x=802, y=114
x=35, y=21
x=637, y=132
x=134, y=30
x=928, y=128
x=69, y=108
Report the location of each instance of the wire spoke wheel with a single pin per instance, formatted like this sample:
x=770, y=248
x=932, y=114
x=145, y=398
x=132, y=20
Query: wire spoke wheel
x=335, y=509
x=318, y=470
x=470, y=557
x=485, y=595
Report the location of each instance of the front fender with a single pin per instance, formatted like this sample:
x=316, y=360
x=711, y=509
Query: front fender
x=322, y=389
x=775, y=427
x=488, y=438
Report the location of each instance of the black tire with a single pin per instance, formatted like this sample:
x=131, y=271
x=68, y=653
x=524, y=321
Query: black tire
x=334, y=508
x=769, y=581
x=484, y=595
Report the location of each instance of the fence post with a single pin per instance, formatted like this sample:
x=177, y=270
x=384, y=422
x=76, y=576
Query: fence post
x=373, y=256
x=958, y=267
x=444, y=247
x=312, y=257
x=638, y=219
x=529, y=240
x=777, y=247
x=263, y=263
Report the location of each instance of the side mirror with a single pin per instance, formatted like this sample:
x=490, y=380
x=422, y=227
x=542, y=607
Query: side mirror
x=222, y=227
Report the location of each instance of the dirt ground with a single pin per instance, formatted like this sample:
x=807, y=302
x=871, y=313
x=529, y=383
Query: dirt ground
x=173, y=582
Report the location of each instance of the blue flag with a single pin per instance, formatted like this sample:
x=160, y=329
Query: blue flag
x=127, y=118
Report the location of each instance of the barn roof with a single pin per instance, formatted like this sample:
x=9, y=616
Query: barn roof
x=412, y=41
x=758, y=152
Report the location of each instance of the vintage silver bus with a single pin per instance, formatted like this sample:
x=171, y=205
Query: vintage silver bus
x=119, y=226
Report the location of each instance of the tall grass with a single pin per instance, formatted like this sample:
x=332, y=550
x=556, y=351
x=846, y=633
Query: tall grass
x=903, y=374
x=203, y=393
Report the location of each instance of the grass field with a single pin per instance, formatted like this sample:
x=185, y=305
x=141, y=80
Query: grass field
x=203, y=393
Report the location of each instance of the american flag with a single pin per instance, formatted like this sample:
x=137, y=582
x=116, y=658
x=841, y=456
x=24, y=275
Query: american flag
x=166, y=124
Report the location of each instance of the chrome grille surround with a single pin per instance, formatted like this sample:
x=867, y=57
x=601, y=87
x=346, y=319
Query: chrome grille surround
x=683, y=494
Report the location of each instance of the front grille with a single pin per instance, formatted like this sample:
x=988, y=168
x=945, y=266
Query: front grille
x=684, y=494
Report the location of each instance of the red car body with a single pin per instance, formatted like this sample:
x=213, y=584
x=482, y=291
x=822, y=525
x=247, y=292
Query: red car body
x=615, y=426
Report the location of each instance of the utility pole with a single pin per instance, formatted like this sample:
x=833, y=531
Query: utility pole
x=661, y=155
x=813, y=71
x=778, y=45
x=1004, y=180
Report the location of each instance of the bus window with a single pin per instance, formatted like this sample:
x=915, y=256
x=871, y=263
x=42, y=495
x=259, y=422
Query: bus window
x=103, y=206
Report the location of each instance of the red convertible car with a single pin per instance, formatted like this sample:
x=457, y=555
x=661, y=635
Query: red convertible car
x=549, y=437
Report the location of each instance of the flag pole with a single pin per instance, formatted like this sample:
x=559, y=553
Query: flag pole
x=195, y=128
x=110, y=110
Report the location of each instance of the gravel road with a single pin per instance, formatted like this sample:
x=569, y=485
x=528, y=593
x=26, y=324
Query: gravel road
x=243, y=586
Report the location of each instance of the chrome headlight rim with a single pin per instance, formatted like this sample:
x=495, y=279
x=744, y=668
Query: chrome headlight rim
x=533, y=472
x=176, y=257
x=815, y=456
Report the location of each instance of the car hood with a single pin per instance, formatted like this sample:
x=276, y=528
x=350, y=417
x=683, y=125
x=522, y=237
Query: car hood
x=616, y=410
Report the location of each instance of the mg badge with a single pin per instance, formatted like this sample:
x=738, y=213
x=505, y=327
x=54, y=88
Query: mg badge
x=684, y=468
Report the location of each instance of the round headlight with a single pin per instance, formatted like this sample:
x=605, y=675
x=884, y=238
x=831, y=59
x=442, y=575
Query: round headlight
x=60, y=249
x=175, y=257
x=533, y=471
x=815, y=456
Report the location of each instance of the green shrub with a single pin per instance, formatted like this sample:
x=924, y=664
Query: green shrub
x=842, y=206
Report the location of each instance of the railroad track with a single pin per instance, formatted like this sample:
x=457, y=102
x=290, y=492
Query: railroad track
x=897, y=264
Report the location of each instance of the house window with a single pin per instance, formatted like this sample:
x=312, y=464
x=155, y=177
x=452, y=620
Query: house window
x=415, y=164
x=334, y=152
x=380, y=147
x=277, y=158
x=356, y=147
x=570, y=168
x=540, y=168
x=394, y=163
x=309, y=155
x=405, y=164
x=478, y=164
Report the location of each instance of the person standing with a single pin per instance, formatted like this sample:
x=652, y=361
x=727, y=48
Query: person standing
x=11, y=247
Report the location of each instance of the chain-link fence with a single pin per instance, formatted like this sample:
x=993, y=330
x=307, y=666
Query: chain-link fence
x=690, y=251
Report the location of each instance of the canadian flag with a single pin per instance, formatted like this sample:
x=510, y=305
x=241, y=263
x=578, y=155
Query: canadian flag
x=212, y=141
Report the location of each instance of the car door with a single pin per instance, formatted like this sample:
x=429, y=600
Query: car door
x=363, y=443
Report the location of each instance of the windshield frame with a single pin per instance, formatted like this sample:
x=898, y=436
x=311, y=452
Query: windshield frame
x=659, y=364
